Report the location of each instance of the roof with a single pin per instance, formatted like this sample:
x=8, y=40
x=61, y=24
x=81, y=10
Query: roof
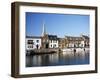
x=86, y=37
x=73, y=38
x=33, y=36
x=52, y=37
x=82, y=37
x=61, y=38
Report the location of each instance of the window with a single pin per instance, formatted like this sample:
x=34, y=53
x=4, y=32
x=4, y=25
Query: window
x=37, y=41
x=51, y=45
x=50, y=41
x=30, y=46
x=56, y=41
x=54, y=46
x=30, y=42
x=33, y=43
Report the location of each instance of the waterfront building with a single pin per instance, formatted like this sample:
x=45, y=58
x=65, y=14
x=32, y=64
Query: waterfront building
x=48, y=41
x=44, y=38
x=33, y=42
x=62, y=43
x=52, y=41
x=45, y=41
x=73, y=41
x=81, y=41
x=86, y=40
x=41, y=42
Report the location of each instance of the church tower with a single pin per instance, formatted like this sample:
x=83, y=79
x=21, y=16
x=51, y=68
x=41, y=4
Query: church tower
x=45, y=43
x=43, y=29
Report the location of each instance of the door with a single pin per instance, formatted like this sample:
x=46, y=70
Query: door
x=47, y=45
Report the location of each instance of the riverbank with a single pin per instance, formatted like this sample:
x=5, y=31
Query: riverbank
x=42, y=51
x=54, y=50
x=74, y=49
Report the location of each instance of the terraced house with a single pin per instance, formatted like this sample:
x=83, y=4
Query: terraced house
x=72, y=41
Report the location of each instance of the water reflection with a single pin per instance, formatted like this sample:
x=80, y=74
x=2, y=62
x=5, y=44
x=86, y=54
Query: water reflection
x=64, y=58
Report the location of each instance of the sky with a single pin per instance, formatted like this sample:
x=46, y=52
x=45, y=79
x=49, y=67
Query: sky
x=57, y=24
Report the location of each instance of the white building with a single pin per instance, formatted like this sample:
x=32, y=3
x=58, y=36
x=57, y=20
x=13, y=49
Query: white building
x=53, y=41
x=33, y=43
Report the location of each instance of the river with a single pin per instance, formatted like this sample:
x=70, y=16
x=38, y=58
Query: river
x=58, y=59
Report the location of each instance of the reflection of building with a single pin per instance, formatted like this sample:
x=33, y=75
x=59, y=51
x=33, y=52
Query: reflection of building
x=33, y=42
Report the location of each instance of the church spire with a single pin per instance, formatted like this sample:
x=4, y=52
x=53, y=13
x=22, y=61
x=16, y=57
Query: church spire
x=43, y=29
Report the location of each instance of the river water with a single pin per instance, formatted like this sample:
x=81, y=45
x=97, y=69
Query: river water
x=57, y=59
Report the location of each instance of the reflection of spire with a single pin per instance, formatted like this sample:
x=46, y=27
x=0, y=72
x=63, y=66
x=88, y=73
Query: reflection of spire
x=43, y=29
